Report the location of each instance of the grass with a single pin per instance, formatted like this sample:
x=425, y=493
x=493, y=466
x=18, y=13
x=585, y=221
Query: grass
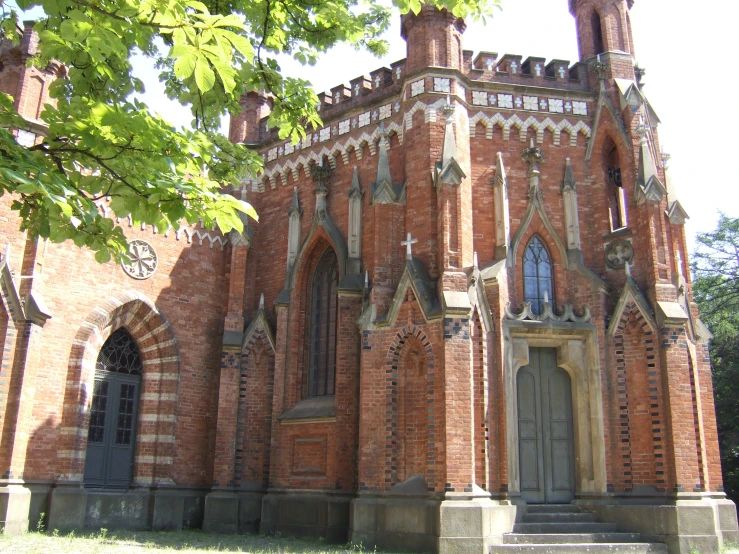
x=149, y=542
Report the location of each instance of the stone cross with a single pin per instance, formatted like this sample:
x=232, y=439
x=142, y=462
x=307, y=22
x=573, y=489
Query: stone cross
x=561, y=71
x=337, y=97
x=489, y=63
x=514, y=66
x=397, y=73
x=537, y=67
x=377, y=81
x=407, y=243
x=356, y=90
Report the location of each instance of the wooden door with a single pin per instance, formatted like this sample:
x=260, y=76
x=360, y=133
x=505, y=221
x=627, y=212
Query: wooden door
x=545, y=431
x=111, y=436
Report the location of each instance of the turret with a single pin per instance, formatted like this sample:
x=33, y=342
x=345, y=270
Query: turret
x=245, y=126
x=433, y=39
x=602, y=26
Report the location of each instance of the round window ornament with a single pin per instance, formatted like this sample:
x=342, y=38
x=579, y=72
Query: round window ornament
x=143, y=260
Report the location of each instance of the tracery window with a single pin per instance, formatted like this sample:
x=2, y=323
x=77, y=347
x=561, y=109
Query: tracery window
x=537, y=275
x=614, y=185
x=111, y=434
x=323, y=316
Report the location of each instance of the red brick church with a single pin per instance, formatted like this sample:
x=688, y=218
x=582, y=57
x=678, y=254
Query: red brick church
x=463, y=323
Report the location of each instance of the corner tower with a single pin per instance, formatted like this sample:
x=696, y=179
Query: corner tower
x=602, y=26
x=433, y=39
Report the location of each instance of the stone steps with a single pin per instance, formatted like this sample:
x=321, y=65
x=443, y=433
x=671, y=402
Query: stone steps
x=569, y=538
x=589, y=548
x=562, y=528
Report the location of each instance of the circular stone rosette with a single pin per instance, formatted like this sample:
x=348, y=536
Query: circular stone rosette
x=619, y=253
x=143, y=260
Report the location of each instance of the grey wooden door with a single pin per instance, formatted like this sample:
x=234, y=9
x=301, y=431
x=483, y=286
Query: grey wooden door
x=545, y=435
x=112, y=432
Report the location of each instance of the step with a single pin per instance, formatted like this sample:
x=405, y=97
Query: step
x=571, y=538
x=559, y=518
x=552, y=528
x=548, y=508
x=585, y=548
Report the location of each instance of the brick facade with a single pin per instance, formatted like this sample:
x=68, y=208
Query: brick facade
x=429, y=336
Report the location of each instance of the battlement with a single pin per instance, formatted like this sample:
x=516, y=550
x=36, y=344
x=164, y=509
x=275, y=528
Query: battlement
x=481, y=71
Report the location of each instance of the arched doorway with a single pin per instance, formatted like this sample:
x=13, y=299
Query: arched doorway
x=545, y=430
x=111, y=436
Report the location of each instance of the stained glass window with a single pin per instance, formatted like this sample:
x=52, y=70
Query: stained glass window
x=537, y=275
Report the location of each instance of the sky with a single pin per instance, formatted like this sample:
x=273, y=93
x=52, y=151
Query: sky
x=684, y=48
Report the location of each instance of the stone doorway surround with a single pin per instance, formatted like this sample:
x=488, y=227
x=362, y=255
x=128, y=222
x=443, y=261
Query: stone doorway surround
x=577, y=350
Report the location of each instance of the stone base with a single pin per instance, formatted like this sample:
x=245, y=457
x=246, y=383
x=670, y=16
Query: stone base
x=15, y=503
x=67, y=507
x=167, y=510
x=250, y=511
x=301, y=514
x=427, y=524
x=221, y=512
x=685, y=523
x=124, y=510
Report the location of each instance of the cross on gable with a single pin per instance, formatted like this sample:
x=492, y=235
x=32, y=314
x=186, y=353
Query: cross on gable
x=356, y=90
x=537, y=68
x=489, y=63
x=397, y=73
x=514, y=66
x=336, y=98
x=377, y=81
x=561, y=72
x=407, y=243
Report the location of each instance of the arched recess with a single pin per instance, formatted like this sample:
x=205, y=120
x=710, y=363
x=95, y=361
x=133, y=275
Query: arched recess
x=300, y=310
x=254, y=420
x=155, y=435
x=322, y=229
x=481, y=423
x=596, y=28
x=639, y=403
x=613, y=184
x=577, y=353
x=410, y=370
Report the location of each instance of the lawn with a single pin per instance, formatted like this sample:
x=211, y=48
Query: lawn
x=148, y=542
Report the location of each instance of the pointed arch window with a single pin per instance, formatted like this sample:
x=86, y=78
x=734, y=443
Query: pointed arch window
x=537, y=275
x=597, y=33
x=111, y=435
x=324, y=311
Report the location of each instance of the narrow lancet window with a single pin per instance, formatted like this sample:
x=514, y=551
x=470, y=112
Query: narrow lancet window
x=537, y=275
x=324, y=301
x=597, y=33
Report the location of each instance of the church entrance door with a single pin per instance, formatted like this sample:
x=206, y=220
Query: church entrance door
x=545, y=430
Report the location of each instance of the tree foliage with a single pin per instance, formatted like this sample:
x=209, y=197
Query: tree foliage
x=716, y=291
x=102, y=143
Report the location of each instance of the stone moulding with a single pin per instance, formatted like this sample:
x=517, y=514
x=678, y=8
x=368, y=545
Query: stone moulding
x=548, y=313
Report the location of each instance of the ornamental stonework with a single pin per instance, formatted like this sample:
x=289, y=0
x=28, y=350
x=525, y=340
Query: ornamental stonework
x=143, y=262
x=619, y=253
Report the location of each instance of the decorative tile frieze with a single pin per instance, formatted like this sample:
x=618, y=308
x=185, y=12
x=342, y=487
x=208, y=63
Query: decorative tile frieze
x=442, y=84
x=556, y=106
x=364, y=119
x=530, y=103
x=386, y=111
x=418, y=87
x=325, y=134
x=479, y=98
x=505, y=101
x=272, y=154
x=580, y=108
x=344, y=126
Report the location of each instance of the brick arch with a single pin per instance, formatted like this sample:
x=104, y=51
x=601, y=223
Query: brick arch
x=155, y=339
x=254, y=419
x=398, y=347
